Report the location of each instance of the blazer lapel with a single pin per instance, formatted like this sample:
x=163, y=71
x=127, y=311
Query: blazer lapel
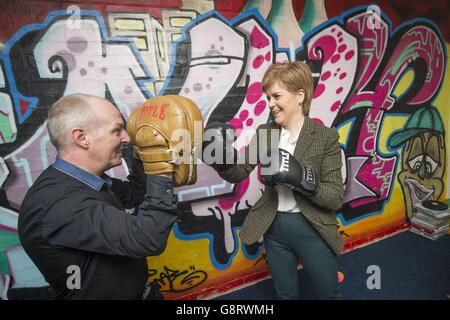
x=275, y=129
x=305, y=138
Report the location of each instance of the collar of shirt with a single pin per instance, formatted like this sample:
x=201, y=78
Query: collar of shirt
x=285, y=135
x=91, y=180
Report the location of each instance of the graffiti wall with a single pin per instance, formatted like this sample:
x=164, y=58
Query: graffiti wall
x=380, y=79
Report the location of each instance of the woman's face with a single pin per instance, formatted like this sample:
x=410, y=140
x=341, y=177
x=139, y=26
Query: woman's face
x=285, y=106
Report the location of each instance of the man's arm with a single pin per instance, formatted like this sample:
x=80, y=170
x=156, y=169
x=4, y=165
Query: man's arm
x=131, y=193
x=94, y=225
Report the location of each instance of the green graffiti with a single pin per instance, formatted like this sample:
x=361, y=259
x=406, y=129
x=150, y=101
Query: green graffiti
x=8, y=239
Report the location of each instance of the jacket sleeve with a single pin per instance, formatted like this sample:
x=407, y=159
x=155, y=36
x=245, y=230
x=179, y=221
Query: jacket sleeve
x=247, y=161
x=94, y=225
x=330, y=194
x=131, y=193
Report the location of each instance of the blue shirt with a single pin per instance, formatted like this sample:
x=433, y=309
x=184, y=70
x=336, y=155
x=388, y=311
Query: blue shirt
x=93, y=181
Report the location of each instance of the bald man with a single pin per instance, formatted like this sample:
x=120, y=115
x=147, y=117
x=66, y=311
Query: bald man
x=72, y=221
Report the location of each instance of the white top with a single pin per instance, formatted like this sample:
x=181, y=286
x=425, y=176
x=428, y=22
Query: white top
x=286, y=200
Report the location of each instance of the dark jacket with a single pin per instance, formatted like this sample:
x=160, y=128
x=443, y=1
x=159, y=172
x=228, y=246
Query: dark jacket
x=70, y=219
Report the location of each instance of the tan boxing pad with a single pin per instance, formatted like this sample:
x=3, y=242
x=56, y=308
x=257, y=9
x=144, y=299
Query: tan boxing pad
x=166, y=132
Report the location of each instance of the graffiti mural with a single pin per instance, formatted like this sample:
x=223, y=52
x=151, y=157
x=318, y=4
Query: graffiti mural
x=380, y=83
x=177, y=281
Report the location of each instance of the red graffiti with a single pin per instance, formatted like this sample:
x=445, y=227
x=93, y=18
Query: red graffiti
x=157, y=111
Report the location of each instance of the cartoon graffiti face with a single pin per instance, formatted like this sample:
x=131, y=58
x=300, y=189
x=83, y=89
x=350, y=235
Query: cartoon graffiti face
x=423, y=168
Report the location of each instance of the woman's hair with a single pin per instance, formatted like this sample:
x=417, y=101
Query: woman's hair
x=70, y=111
x=293, y=76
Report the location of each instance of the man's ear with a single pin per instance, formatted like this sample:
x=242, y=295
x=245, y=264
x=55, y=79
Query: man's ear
x=79, y=137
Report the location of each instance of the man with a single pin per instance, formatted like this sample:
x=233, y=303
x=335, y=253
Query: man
x=72, y=222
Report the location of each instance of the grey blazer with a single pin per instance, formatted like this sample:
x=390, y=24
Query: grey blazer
x=317, y=146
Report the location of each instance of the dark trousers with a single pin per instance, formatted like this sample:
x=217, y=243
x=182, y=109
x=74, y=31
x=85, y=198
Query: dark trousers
x=291, y=237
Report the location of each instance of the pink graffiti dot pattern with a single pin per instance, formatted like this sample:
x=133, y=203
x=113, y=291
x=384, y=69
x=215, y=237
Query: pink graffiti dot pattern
x=259, y=108
x=349, y=54
x=325, y=76
x=317, y=120
x=254, y=92
x=257, y=39
x=258, y=61
x=342, y=48
x=339, y=90
x=335, y=106
x=335, y=58
x=237, y=125
x=267, y=56
x=343, y=75
x=319, y=90
x=243, y=115
x=249, y=122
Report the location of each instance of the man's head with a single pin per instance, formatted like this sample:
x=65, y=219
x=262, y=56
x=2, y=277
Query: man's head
x=88, y=131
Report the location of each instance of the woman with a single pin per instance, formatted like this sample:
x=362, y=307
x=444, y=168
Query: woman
x=304, y=187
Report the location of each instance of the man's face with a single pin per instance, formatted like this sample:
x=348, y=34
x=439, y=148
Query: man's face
x=423, y=169
x=107, y=138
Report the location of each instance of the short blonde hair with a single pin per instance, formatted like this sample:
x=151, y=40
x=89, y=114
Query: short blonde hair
x=294, y=76
x=74, y=110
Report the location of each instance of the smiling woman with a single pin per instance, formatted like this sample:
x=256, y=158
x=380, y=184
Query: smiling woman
x=286, y=106
x=289, y=91
x=303, y=185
